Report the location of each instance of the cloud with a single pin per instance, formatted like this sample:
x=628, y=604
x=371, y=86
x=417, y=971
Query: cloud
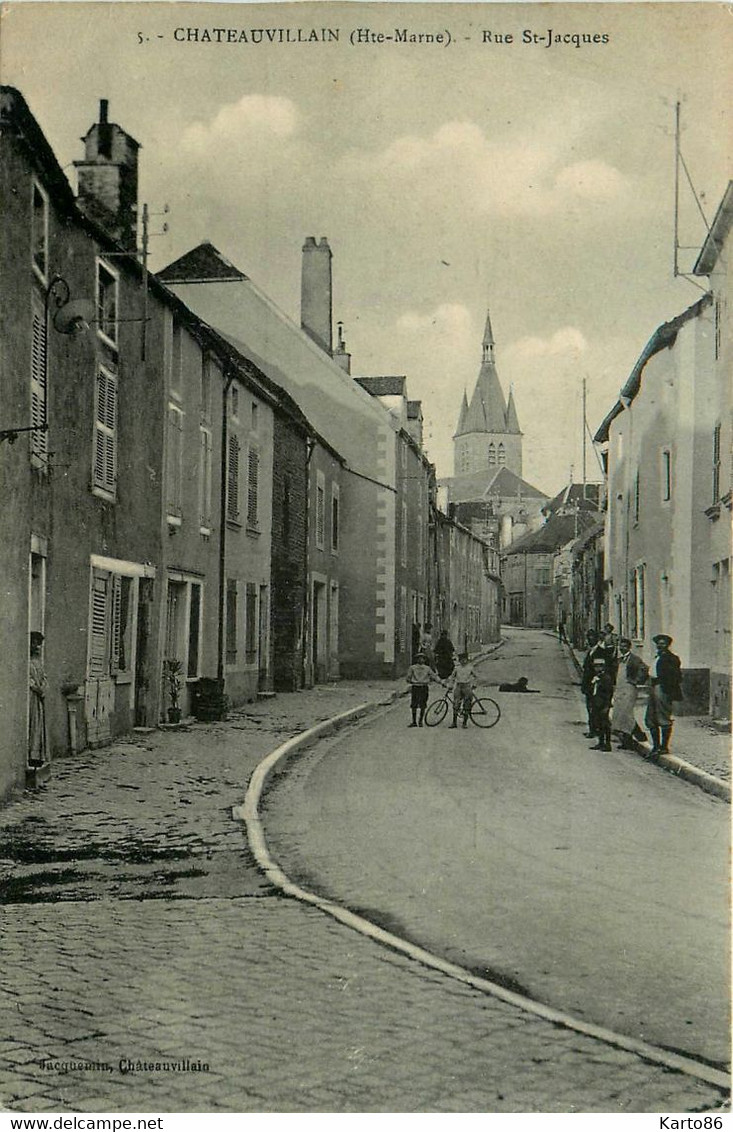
x=259, y=115
x=522, y=176
x=448, y=323
x=568, y=341
x=592, y=181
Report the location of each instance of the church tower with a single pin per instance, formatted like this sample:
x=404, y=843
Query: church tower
x=487, y=436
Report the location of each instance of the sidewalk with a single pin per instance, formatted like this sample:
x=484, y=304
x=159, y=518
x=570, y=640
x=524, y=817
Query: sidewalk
x=694, y=741
x=149, y=966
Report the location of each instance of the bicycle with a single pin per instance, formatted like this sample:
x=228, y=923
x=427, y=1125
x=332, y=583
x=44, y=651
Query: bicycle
x=484, y=711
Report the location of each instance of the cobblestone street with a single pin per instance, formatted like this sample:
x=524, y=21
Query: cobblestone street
x=136, y=927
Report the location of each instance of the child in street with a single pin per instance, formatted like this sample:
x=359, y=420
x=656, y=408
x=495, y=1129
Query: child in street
x=418, y=677
x=601, y=694
x=463, y=681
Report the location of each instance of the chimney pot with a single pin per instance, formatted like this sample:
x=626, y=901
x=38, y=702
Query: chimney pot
x=310, y=242
x=103, y=108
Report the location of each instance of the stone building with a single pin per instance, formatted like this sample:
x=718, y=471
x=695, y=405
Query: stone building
x=667, y=447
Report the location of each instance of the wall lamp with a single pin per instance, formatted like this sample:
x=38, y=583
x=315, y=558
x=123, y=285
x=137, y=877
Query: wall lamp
x=67, y=316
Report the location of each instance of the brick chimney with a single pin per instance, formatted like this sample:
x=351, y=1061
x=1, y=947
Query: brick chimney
x=108, y=178
x=316, y=292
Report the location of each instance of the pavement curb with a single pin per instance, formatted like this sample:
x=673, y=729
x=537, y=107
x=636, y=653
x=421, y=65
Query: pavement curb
x=675, y=765
x=250, y=815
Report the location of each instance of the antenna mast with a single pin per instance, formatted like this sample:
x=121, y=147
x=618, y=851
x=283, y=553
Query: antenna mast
x=676, y=189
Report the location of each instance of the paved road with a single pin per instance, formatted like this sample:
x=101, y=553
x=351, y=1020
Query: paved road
x=590, y=880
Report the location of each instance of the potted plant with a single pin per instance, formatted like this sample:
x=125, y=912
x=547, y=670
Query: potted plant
x=173, y=671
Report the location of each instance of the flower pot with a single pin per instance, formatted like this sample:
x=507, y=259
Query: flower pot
x=174, y=715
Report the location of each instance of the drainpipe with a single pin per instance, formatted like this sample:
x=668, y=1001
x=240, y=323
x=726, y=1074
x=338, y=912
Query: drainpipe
x=223, y=533
x=310, y=446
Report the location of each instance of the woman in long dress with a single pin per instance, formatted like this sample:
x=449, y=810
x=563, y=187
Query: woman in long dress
x=632, y=672
x=37, y=745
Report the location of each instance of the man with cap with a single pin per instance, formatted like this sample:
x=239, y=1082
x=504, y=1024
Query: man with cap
x=592, y=638
x=666, y=687
x=601, y=694
x=418, y=677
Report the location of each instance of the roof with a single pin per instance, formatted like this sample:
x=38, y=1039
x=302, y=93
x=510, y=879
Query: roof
x=498, y=483
x=717, y=235
x=584, y=496
x=512, y=420
x=202, y=264
x=16, y=119
x=383, y=386
x=664, y=337
x=557, y=531
x=487, y=408
x=588, y=537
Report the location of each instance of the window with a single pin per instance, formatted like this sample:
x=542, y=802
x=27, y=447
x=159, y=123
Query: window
x=233, y=479
x=121, y=625
x=253, y=487
x=666, y=475
x=335, y=532
x=234, y=402
x=39, y=438
x=286, y=510
x=320, y=510
x=255, y=416
x=403, y=535
x=205, y=392
x=205, y=450
x=250, y=623
x=492, y=456
x=637, y=498
x=105, y=432
x=501, y=456
x=718, y=321
x=176, y=358
x=637, y=602
x=543, y=575
x=716, y=463
x=39, y=231
x=174, y=462
x=231, y=621
x=107, y=303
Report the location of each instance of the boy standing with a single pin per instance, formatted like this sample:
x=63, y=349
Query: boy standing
x=463, y=681
x=601, y=696
x=418, y=677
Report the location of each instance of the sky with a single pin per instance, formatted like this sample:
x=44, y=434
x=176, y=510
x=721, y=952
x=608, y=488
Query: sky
x=536, y=181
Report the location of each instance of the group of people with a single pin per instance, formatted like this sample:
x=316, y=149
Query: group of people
x=612, y=676
x=438, y=665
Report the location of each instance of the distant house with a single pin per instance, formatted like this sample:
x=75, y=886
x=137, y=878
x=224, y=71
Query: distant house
x=528, y=568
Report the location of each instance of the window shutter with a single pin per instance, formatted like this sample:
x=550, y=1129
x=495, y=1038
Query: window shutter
x=39, y=439
x=175, y=449
x=99, y=642
x=233, y=479
x=116, y=621
x=253, y=476
x=205, y=478
x=105, y=432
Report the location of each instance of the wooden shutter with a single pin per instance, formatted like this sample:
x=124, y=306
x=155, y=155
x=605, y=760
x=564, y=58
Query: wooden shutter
x=233, y=479
x=39, y=439
x=253, y=478
x=105, y=432
x=99, y=650
x=205, y=478
x=175, y=451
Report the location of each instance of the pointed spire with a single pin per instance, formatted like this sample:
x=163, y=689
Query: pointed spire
x=488, y=340
x=512, y=420
x=462, y=415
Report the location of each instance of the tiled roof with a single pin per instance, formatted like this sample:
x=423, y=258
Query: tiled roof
x=203, y=264
x=575, y=494
x=480, y=486
x=383, y=386
x=557, y=531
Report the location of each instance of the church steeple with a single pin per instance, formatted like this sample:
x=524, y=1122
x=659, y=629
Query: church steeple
x=512, y=420
x=488, y=435
x=488, y=341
